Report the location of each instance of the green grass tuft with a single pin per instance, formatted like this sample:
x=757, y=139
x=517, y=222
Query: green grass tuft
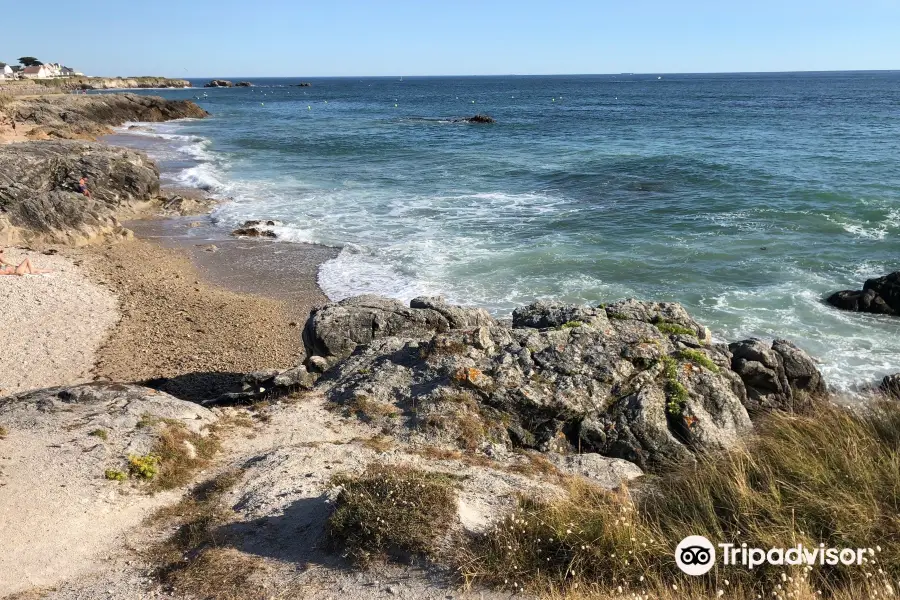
x=699, y=357
x=674, y=329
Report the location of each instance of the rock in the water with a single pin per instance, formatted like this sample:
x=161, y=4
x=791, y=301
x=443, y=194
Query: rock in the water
x=880, y=296
x=615, y=384
x=253, y=232
x=484, y=119
x=39, y=197
x=304, y=84
x=890, y=386
x=219, y=83
x=780, y=376
x=243, y=84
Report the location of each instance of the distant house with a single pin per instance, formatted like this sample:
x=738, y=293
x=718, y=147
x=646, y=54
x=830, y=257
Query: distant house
x=37, y=72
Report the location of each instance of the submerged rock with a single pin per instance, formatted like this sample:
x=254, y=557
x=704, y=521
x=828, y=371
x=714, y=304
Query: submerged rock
x=484, y=119
x=880, y=296
x=634, y=380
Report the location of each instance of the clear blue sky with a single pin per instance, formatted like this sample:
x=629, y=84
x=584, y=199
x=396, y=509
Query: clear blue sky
x=201, y=38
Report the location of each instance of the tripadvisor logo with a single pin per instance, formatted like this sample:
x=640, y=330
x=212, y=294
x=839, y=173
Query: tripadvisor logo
x=696, y=555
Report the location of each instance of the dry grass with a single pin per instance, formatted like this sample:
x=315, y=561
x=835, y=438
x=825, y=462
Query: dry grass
x=181, y=454
x=833, y=478
x=378, y=443
x=196, y=561
x=370, y=410
x=3, y=432
x=392, y=511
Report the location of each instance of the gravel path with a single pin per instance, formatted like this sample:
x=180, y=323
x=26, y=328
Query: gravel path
x=52, y=324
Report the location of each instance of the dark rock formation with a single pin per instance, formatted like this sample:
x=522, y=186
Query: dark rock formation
x=266, y=385
x=243, y=84
x=485, y=119
x=780, y=376
x=256, y=229
x=219, y=83
x=890, y=386
x=39, y=197
x=304, y=84
x=880, y=296
x=619, y=380
x=86, y=116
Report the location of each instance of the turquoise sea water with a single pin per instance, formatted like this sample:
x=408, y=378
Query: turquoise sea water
x=745, y=197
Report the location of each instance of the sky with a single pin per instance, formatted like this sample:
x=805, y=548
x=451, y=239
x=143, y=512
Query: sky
x=224, y=38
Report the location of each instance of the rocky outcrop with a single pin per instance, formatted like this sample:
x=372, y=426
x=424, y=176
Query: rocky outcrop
x=125, y=83
x=890, y=386
x=333, y=332
x=243, y=84
x=779, y=376
x=621, y=381
x=257, y=228
x=303, y=84
x=880, y=296
x=87, y=116
x=483, y=119
x=39, y=198
x=118, y=408
x=219, y=83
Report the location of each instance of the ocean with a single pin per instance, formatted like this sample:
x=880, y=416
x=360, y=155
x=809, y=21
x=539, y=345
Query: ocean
x=746, y=197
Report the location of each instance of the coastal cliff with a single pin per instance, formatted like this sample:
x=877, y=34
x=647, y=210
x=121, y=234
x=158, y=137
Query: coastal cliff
x=69, y=84
x=85, y=117
x=39, y=197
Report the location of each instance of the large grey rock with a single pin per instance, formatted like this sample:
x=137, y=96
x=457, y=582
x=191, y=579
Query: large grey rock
x=543, y=315
x=334, y=331
x=38, y=189
x=609, y=386
x=779, y=376
x=880, y=295
x=120, y=409
x=658, y=313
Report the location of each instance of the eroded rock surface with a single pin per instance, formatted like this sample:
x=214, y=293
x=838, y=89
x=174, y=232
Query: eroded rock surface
x=890, y=386
x=634, y=380
x=777, y=376
x=39, y=195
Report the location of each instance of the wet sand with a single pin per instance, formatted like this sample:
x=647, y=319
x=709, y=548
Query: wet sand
x=195, y=320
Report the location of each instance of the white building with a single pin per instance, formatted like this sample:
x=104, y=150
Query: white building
x=37, y=72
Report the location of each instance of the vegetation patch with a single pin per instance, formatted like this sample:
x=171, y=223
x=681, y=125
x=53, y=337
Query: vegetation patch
x=832, y=479
x=196, y=561
x=143, y=467
x=571, y=325
x=99, y=433
x=674, y=328
x=181, y=453
x=392, y=511
x=3, y=432
x=371, y=410
x=115, y=475
x=676, y=393
x=699, y=357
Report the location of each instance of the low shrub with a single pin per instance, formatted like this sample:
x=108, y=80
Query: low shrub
x=392, y=511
